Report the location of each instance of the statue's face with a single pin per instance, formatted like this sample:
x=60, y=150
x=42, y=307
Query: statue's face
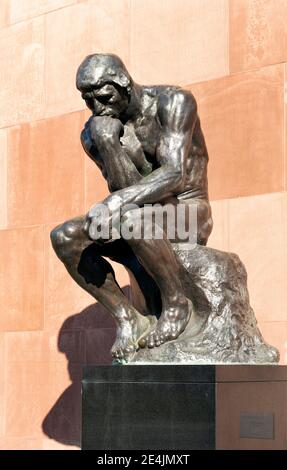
x=105, y=100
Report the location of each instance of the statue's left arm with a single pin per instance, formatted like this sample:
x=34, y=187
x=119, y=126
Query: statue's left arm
x=177, y=114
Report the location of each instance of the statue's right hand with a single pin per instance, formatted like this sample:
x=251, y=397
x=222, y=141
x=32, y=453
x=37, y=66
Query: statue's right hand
x=105, y=129
x=86, y=138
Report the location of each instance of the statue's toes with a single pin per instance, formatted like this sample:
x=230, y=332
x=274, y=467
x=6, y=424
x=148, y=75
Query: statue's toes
x=150, y=343
x=168, y=335
x=151, y=340
x=173, y=335
x=147, y=340
x=129, y=349
x=157, y=341
x=119, y=353
x=123, y=352
x=142, y=342
x=154, y=339
x=167, y=332
x=116, y=351
x=162, y=339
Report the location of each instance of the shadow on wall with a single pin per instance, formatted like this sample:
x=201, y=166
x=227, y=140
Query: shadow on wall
x=85, y=338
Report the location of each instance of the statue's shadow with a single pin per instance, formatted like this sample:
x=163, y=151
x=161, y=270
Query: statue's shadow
x=85, y=338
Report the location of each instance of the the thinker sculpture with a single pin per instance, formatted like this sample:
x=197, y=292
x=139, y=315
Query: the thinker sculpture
x=188, y=304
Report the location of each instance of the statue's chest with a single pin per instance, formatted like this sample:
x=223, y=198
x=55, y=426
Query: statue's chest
x=147, y=132
x=139, y=142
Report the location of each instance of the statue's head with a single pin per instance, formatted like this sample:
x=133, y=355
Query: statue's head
x=105, y=84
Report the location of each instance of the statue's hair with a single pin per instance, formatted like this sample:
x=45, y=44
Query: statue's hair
x=98, y=69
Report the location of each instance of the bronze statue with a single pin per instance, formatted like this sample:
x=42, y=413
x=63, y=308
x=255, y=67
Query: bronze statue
x=148, y=143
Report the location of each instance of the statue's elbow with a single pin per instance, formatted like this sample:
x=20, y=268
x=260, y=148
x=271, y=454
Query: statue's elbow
x=179, y=182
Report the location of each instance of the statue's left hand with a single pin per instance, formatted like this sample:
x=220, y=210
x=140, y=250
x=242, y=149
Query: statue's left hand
x=104, y=217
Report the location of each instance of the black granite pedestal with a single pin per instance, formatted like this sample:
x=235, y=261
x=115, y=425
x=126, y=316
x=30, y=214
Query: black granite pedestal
x=188, y=407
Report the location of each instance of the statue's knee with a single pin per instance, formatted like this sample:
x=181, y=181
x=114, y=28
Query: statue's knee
x=62, y=239
x=55, y=236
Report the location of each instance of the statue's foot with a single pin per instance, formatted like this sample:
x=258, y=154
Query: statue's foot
x=170, y=325
x=129, y=333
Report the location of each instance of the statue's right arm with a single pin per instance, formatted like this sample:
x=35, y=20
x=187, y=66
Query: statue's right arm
x=90, y=148
x=115, y=165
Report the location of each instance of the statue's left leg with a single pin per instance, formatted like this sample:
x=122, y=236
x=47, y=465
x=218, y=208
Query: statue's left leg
x=158, y=259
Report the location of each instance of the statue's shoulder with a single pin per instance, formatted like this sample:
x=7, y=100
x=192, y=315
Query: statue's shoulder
x=169, y=93
x=173, y=104
x=174, y=100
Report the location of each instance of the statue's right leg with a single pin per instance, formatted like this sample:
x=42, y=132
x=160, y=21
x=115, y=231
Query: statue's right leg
x=83, y=260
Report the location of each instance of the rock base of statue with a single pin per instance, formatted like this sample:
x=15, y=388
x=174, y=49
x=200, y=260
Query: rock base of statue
x=176, y=407
x=223, y=327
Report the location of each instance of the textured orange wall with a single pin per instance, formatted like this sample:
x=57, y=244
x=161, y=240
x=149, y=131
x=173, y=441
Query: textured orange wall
x=231, y=54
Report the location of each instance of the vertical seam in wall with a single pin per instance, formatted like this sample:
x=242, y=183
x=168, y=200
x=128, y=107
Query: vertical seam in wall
x=85, y=168
x=6, y=180
x=85, y=183
x=227, y=34
x=228, y=224
x=8, y=16
x=284, y=130
x=5, y=386
x=5, y=218
x=130, y=34
x=44, y=278
x=45, y=67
